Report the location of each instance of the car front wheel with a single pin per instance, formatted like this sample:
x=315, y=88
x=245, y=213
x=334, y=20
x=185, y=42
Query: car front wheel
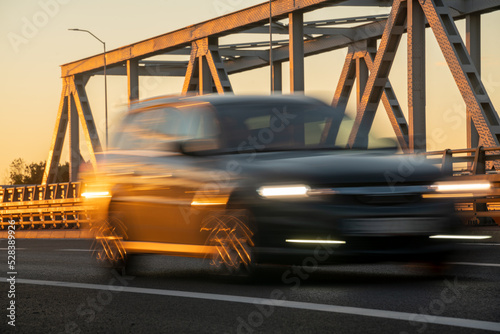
x=231, y=234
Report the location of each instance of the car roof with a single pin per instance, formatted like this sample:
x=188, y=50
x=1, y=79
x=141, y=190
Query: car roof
x=222, y=99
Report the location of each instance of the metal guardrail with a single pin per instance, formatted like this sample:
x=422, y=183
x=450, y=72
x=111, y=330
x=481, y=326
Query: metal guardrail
x=481, y=160
x=40, y=207
x=60, y=206
x=473, y=164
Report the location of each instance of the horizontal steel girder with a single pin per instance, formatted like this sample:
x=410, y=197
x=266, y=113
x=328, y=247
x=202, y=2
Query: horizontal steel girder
x=220, y=26
x=252, y=59
x=235, y=22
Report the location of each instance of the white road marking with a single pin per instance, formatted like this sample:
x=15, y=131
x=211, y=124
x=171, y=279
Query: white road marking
x=5, y=248
x=476, y=264
x=404, y=316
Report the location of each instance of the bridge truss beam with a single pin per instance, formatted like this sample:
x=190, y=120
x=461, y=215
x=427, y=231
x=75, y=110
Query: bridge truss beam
x=74, y=104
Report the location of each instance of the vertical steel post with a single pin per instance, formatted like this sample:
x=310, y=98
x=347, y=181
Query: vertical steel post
x=74, y=141
x=416, y=76
x=133, y=80
x=473, y=43
x=361, y=79
x=296, y=50
x=277, y=76
x=205, y=76
x=105, y=95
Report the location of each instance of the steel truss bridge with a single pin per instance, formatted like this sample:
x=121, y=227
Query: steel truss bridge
x=371, y=43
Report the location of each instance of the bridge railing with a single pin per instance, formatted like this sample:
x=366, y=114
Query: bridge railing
x=477, y=164
x=469, y=161
x=43, y=206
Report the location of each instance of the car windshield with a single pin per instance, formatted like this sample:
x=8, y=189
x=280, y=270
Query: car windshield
x=282, y=126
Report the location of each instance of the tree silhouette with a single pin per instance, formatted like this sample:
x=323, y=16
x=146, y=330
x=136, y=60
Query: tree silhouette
x=21, y=173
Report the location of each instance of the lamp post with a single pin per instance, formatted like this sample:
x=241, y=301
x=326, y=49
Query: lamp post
x=105, y=80
x=271, y=46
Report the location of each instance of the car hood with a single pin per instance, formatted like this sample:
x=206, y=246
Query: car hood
x=335, y=168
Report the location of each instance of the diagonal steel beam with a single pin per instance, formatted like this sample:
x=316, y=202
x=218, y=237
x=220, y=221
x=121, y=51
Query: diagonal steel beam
x=393, y=109
x=56, y=145
x=218, y=71
x=473, y=43
x=377, y=80
x=341, y=96
x=346, y=82
x=464, y=72
x=389, y=99
x=205, y=56
x=77, y=88
x=191, y=77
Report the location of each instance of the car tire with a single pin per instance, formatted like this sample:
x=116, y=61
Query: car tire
x=231, y=232
x=107, y=247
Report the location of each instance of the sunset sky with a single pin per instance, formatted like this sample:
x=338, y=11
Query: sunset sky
x=36, y=41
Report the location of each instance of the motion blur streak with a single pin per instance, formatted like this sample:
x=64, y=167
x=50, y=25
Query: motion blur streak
x=284, y=191
x=463, y=186
x=305, y=241
x=467, y=237
x=156, y=247
x=99, y=194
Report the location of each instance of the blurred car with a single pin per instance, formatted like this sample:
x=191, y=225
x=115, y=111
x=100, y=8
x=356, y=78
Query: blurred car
x=246, y=180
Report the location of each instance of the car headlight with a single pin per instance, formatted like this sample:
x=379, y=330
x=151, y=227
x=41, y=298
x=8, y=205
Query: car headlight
x=288, y=191
x=458, y=189
x=96, y=194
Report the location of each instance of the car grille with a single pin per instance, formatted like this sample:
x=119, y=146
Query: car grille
x=372, y=195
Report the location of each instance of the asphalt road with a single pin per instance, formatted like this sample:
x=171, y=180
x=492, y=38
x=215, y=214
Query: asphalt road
x=59, y=289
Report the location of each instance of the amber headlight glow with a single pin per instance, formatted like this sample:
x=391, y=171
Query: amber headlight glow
x=288, y=191
x=96, y=194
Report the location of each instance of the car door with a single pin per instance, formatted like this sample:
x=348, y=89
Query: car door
x=156, y=204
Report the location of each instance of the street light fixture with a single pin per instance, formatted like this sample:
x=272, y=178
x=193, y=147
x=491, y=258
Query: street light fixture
x=105, y=80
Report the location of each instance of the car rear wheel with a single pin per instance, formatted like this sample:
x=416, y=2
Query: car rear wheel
x=231, y=233
x=107, y=247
